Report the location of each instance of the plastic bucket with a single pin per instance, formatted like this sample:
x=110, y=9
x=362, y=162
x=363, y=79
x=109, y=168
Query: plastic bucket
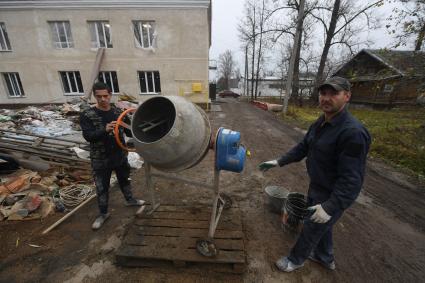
x=295, y=210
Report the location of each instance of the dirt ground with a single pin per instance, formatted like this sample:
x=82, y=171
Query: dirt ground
x=381, y=238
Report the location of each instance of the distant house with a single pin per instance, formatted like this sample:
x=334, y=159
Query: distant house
x=48, y=48
x=275, y=86
x=385, y=76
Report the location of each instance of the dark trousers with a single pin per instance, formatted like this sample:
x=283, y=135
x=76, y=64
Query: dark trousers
x=316, y=238
x=102, y=178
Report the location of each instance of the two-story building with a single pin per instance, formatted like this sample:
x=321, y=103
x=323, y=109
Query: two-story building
x=48, y=48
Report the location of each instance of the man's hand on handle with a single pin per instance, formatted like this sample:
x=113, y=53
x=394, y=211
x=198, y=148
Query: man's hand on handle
x=319, y=215
x=267, y=165
x=110, y=126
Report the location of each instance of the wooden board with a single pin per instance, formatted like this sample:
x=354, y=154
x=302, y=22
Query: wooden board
x=169, y=236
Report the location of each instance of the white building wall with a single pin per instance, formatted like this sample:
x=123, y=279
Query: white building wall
x=181, y=55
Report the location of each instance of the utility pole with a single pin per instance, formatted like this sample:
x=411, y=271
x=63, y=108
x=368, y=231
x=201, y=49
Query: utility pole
x=293, y=55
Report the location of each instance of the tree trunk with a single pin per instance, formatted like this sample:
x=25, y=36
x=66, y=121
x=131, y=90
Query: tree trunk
x=259, y=50
x=253, y=58
x=296, y=77
x=329, y=36
x=420, y=38
x=300, y=21
x=246, y=91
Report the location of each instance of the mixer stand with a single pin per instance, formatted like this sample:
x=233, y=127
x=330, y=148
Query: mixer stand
x=206, y=246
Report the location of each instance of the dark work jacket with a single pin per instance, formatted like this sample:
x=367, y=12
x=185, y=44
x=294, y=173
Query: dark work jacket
x=336, y=159
x=104, y=150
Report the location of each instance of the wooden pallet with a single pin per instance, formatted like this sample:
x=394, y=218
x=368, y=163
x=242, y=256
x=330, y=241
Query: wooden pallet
x=169, y=235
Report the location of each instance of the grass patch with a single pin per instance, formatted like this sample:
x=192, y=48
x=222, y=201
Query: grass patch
x=398, y=135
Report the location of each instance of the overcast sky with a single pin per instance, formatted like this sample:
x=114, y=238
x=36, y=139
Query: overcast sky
x=226, y=15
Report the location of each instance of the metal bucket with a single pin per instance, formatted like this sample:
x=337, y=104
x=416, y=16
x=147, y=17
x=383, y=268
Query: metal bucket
x=171, y=133
x=276, y=197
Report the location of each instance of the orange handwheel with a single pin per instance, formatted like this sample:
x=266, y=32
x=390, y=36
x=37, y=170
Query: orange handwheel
x=121, y=123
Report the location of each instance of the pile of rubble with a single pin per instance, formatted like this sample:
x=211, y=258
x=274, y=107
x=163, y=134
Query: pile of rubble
x=48, y=120
x=41, y=172
x=26, y=195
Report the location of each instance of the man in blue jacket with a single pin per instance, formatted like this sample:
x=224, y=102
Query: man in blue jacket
x=336, y=146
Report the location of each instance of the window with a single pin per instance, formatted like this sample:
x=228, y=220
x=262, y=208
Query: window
x=149, y=82
x=61, y=34
x=4, y=39
x=144, y=33
x=13, y=84
x=110, y=78
x=100, y=34
x=388, y=88
x=71, y=82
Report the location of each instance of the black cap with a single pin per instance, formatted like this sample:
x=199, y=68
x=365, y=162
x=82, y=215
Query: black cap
x=337, y=83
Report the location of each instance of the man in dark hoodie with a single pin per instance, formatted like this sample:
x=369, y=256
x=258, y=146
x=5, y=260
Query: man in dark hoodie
x=97, y=124
x=336, y=146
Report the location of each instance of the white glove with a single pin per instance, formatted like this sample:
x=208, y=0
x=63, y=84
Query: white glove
x=319, y=215
x=267, y=165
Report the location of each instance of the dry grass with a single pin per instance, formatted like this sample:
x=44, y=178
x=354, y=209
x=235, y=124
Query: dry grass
x=398, y=134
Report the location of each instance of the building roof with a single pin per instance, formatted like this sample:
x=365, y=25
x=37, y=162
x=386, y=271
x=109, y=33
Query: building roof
x=50, y=4
x=402, y=63
x=405, y=62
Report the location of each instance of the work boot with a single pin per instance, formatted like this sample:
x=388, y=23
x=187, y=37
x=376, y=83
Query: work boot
x=284, y=264
x=330, y=266
x=99, y=221
x=135, y=202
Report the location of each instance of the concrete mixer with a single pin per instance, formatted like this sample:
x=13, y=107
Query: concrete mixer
x=172, y=134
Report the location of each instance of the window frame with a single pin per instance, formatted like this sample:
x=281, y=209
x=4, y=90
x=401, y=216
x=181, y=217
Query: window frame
x=54, y=29
x=147, y=82
x=11, y=86
x=4, y=37
x=140, y=32
x=110, y=73
x=67, y=73
x=95, y=42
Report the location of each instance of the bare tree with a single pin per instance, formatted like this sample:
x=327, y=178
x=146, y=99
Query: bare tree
x=247, y=34
x=283, y=27
x=410, y=15
x=341, y=29
x=261, y=24
x=252, y=33
x=226, y=67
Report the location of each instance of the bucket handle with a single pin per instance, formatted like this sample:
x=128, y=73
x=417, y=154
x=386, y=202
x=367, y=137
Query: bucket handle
x=121, y=123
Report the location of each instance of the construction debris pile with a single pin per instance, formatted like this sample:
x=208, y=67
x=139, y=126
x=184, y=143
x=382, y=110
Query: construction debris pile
x=41, y=171
x=49, y=120
x=26, y=195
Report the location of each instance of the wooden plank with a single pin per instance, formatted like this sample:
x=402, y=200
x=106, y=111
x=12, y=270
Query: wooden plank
x=189, y=232
x=183, y=242
x=175, y=254
x=45, y=154
x=236, y=268
x=177, y=215
x=186, y=223
x=155, y=241
x=42, y=136
x=94, y=72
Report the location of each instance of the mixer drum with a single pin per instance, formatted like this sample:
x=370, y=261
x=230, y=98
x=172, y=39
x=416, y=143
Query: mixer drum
x=171, y=133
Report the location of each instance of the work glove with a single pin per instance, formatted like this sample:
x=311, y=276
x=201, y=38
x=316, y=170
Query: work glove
x=319, y=215
x=267, y=165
